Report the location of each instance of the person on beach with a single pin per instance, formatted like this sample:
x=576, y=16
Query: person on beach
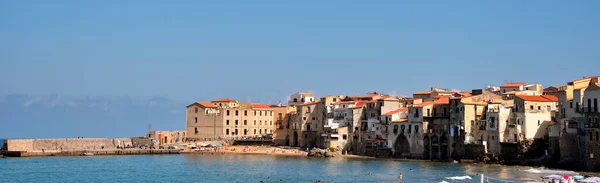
x=400, y=176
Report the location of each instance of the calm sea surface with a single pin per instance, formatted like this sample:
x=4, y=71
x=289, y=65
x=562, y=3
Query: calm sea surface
x=242, y=168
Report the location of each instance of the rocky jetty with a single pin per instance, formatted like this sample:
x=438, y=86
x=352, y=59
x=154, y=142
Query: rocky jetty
x=320, y=153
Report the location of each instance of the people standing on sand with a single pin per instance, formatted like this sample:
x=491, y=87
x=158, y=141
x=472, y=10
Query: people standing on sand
x=400, y=176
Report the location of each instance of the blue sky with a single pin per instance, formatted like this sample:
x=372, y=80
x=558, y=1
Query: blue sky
x=262, y=51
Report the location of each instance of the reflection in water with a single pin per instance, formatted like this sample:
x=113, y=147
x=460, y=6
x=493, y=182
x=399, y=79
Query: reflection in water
x=243, y=168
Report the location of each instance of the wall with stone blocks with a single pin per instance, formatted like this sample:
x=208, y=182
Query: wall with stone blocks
x=34, y=145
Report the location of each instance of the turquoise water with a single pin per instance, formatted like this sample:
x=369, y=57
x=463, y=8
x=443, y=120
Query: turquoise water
x=242, y=168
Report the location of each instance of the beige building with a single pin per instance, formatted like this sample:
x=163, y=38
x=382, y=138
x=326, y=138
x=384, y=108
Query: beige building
x=533, y=115
x=228, y=118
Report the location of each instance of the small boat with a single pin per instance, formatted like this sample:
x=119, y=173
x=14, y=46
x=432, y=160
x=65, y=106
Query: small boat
x=88, y=154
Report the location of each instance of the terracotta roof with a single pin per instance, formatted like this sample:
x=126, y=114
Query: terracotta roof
x=400, y=120
x=542, y=98
x=343, y=102
x=440, y=100
x=400, y=110
x=585, y=78
x=260, y=106
x=224, y=100
x=388, y=98
x=292, y=112
x=305, y=94
x=309, y=103
x=205, y=104
x=466, y=94
x=422, y=92
x=513, y=84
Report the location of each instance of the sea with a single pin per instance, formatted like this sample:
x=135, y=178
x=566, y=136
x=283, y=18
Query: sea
x=249, y=168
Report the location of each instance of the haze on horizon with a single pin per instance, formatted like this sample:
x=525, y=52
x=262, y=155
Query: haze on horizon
x=107, y=69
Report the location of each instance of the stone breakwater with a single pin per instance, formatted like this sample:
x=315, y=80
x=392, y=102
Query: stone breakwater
x=69, y=144
x=74, y=147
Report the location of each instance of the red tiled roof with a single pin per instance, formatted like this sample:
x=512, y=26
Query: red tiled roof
x=310, y=103
x=542, y=98
x=343, y=102
x=513, y=84
x=260, y=106
x=400, y=110
x=205, y=104
x=291, y=112
x=224, y=100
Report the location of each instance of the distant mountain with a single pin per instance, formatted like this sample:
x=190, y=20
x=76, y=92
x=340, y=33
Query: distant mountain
x=29, y=116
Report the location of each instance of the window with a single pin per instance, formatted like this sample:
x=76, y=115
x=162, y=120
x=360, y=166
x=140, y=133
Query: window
x=355, y=128
x=227, y=112
x=302, y=100
x=334, y=99
x=254, y=122
x=245, y=113
x=428, y=113
x=589, y=105
x=295, y=100
x=343, y=136
x=196, y=119
x=571, y=104
x=236, y=112
x=245, y=122
x=260, y=113
x=255, y=113
x=196, y=130
x=271, y=122
x=206, y=112
x=343, y=106
x=307, y=109
x=531, y=107
x=304, y=118
x=539, y=123
x=409, y=128
x=226, y=122
x=595, y=105
x=313, y=118
x=245, y=131
x=539, y=107
x=236, y=122
x=380, y=103
x=577, y=106
x=226, y=131
x=260, y=122
x=416, y=129
x=417, y=112
x=472, y=123
x=236, y=131
x=196, y=110
x=254, y=131
x=260, y=131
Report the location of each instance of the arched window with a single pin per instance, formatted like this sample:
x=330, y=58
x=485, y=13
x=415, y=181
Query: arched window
x=196, y=110
x=302, y=100
x=295, y=100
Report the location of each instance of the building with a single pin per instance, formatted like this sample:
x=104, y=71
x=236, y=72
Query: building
x=300, y=98
x=533, y=115
x=228, y=118
x=590, y=150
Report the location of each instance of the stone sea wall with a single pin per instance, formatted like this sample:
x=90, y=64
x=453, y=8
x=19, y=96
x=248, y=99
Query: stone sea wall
x=38, y=145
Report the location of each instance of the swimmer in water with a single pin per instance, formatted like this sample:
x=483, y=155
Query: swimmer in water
x=370, y=173
x=411, y=169
x=280, y=180
x=269, y=178
x=400, y=176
